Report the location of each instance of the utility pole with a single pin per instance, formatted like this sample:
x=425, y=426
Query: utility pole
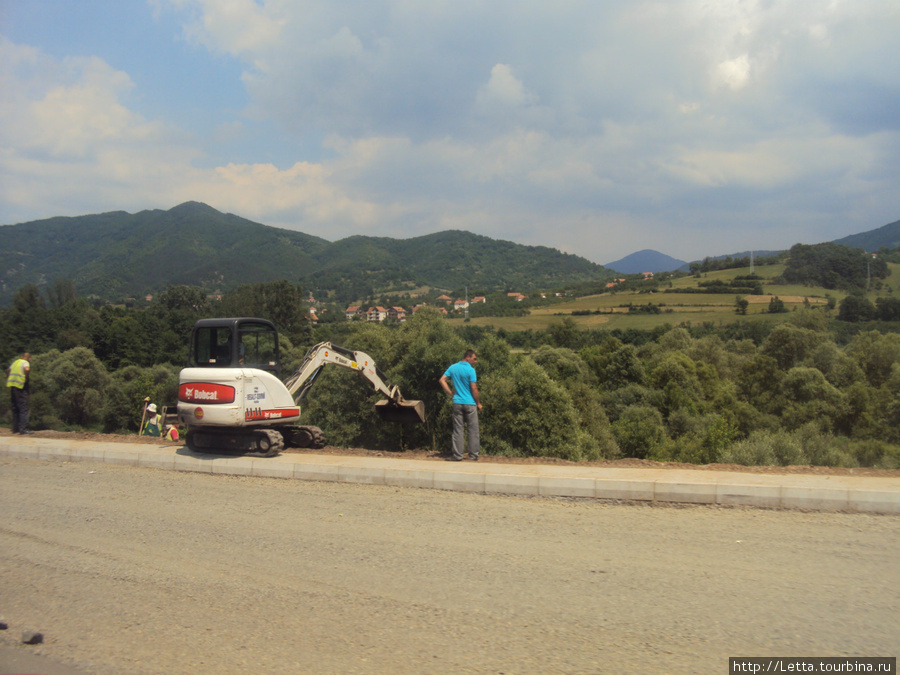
x=466, y=310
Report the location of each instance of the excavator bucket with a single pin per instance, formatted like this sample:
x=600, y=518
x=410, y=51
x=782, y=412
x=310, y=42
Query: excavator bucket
x=402, y=411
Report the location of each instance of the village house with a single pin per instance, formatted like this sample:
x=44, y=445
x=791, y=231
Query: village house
x=351, y=312
x=376, y=314
x=460, y=304
x=444, y=298
x=518, y=297
x=479, y=298
x=397, y=313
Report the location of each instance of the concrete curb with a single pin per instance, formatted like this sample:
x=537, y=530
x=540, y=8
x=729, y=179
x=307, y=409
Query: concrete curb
x=855, y=494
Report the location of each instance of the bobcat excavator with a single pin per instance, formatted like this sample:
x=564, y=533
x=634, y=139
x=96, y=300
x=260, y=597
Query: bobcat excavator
x=232, y=400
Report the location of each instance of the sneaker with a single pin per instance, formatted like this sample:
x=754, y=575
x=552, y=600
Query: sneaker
x=474, y=459
x=453, y=459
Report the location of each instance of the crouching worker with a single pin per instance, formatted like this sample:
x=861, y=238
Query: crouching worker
x=151, y=428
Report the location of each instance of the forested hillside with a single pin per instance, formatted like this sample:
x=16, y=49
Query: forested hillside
x=117, y=255
x=887, y=236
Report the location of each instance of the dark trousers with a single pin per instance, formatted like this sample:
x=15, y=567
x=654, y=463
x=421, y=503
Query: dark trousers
x=19, y=405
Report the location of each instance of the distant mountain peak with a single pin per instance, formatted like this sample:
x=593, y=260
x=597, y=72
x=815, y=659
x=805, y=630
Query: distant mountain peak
x=646, y=260
x=192, y=207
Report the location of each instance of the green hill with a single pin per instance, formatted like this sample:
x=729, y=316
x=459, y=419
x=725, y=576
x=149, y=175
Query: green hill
x=887, y=236
x=117, y=255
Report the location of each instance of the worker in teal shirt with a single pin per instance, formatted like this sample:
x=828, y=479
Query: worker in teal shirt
x=459, y=381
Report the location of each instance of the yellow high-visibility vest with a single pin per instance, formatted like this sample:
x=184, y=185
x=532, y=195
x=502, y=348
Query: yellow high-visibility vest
x=17, y=374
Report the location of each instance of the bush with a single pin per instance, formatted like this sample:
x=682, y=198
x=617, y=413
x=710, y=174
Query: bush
x=765, y=448
x=531, y=415
x=754, y=451
x=639, y=431
x=68, y=388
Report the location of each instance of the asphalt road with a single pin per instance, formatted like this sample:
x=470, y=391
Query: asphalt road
x=130, y=570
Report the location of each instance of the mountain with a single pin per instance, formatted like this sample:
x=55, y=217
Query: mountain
x=887, y=236
x=116, y=255
x=646, y=261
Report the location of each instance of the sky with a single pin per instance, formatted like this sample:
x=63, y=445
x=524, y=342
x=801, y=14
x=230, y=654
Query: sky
x=597, y=127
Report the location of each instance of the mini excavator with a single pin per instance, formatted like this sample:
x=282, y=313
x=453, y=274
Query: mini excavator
x=232, y=400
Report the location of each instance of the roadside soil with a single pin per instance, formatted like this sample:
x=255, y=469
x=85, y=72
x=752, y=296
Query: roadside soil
x=425, y=454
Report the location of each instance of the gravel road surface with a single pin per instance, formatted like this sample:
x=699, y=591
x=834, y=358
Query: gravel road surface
x=130, y=570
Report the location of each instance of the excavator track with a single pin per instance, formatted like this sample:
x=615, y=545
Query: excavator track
x=304, y=437
x=249, y=442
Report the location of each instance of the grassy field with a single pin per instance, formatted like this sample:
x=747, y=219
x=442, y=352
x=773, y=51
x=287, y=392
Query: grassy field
x=680, y=307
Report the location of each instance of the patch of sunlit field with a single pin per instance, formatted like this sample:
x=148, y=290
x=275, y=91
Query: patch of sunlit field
x=610, y=310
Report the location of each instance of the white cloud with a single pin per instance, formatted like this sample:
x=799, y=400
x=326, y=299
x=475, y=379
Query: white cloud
x=68, y=137
x=588, y=126
x=503, y=90
x=734, y=73
x=240, y=27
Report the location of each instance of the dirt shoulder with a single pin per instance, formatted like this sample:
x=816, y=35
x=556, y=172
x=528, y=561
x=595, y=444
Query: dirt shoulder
x=628, y=463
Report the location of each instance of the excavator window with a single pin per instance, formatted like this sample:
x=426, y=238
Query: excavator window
x=258, y=347
x=212, y=347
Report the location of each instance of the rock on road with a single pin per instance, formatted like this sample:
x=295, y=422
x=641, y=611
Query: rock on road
x=131, y=570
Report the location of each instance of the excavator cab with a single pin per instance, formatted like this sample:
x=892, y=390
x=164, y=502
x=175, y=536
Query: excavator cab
x=235, y=343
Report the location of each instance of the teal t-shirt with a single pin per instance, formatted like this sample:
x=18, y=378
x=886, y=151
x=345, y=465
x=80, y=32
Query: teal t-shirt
x=462, y=374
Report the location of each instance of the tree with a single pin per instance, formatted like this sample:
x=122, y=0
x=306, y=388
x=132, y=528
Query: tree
x=565, y=334
x=741, y=305
x=806, y=396
x=189, y=298
x=789, y=345
x=876, y=354
x=623, y=367
x=69, y=387
x=833, y=266
x=887, y=309
x=639, y=431
x=563, y=365
x=855, y=308
x=528, y=414
x=281, y=302
x=776, y=305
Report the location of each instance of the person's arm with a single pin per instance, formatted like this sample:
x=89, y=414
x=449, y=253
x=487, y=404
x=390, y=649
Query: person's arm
x=445, y=384
x=474, y=388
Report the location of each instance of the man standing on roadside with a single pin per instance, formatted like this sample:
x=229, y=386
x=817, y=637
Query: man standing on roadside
x=17, y=383
x=466, y=404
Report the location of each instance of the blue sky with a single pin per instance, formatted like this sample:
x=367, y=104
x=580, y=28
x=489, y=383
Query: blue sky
x=692, y=127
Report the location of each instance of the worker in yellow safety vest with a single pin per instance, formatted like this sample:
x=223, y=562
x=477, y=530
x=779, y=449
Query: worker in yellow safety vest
x=17, y=383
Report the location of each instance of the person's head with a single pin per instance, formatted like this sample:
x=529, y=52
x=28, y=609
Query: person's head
x=26, y=356
x=152, y=408
x=471, y=356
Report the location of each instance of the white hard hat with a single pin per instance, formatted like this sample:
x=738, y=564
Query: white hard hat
x=152, y=407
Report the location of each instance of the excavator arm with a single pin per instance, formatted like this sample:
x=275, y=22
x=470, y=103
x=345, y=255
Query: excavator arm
x=393, y=409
